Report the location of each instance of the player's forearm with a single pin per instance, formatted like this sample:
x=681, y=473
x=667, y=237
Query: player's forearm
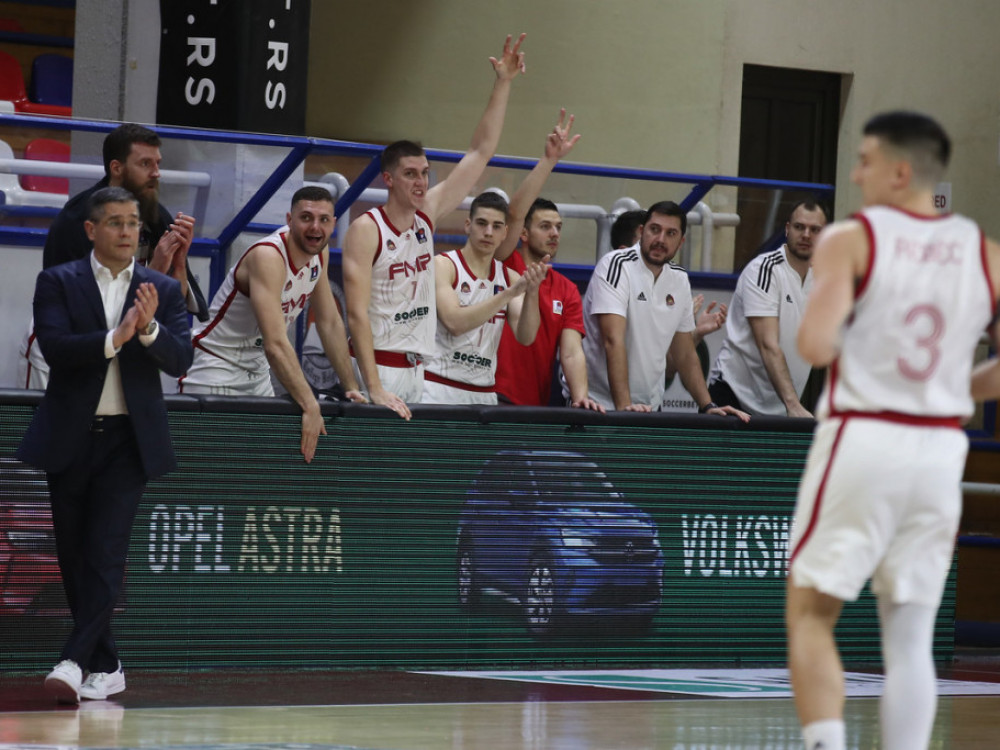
x=781, y=379
x=529, y=320
x=285, y=366
x=487, y=133
x=617, y=360
x=458, y=320
x=689, y=371
x=334, y=342
x=364, y=351
x=574, y=366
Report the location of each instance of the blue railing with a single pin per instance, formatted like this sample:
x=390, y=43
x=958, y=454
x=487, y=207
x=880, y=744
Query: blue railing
x=301, y=147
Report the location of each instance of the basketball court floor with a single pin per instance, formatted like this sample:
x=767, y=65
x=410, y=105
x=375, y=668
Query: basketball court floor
x=689, y=709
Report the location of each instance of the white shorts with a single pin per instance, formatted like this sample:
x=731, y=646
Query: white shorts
x=32, y=369
x=440, y=393
x=405, y=382
x=225, y=380
x=879, y=500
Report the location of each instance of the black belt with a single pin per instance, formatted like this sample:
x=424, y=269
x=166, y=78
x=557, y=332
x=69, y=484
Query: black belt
x=109, y=422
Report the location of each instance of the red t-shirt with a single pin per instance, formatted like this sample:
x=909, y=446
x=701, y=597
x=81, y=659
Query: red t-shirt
x=524, y=373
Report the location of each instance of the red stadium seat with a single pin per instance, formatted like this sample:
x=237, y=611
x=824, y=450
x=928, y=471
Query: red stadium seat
x=11, y=79
x=12, y=90
x=46, y=149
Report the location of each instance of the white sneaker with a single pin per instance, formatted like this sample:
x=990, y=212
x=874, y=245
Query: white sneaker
x=63, y=681
x=99, y=685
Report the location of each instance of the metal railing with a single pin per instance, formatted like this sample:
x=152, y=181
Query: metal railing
x=299, y=148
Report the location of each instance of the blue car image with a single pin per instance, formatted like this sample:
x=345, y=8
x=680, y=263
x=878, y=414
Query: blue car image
x=547, y=531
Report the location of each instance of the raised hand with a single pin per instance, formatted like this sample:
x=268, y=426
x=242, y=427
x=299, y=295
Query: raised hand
x=710, y=321
x=534, y=274
x=511, y=62
x=558, y=143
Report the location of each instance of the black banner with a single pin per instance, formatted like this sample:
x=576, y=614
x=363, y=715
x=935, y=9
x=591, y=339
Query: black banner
x=234, y=64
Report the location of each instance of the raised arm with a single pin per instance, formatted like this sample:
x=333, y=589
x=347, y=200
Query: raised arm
x=558, y=144
x=360, y=246
x=523, y=313
x=447, y=194
x=265, y=279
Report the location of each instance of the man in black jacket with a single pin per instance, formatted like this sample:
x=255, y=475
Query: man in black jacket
x=108, y=327
x=132, y=161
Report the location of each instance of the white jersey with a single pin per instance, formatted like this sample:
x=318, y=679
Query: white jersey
x=228, y=348
x=403, y=311
x=471, y=357
x=767, y=288
x=655, y=309
x=908, y=346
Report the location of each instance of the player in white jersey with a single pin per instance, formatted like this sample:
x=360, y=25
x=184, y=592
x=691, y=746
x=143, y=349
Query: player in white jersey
x=394, y=376
x=476, y=297
x=758, y=367
x=402, y=310
x=637, y=309
x=900, y=298
x=246, y=335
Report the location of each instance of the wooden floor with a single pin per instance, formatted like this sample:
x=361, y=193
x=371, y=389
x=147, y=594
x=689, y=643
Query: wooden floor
x=405, y=711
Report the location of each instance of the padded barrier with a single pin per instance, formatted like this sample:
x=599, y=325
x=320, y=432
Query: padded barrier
x=246, y=556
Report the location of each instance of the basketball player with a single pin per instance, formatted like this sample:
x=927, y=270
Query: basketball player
x=476, y=298
x=900, y=298
x=247, y=331
x=388, y=273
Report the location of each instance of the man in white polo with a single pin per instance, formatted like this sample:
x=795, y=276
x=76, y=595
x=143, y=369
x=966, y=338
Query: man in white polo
x=637, y=310
x=759, y=368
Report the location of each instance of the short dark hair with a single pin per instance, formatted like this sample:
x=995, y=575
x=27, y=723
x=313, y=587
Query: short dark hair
x=540, y=204
x=312, y=193
x=489, y=199
x=924, y=142
x=668, y=208
x=810, y=204
x=104, y=196
x=392, y=153
x=625, y=226
x=118, y=143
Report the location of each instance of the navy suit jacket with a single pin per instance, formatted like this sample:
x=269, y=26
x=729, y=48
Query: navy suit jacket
x=71, y=328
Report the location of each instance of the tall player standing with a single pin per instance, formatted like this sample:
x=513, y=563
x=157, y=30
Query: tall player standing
x=388, y=252
x=900, y=298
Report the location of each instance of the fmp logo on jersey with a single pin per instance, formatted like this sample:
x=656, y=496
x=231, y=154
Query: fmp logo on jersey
x=288, y=285
x=315, y=273
x=390, y=245
x=557, y=307
x=465, y=287
x=421, y=235
x=670, y=300
x=497, y=288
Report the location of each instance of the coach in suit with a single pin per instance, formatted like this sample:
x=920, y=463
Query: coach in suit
x=107, y=326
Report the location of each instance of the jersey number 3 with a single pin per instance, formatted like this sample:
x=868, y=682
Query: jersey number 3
x=924, y=360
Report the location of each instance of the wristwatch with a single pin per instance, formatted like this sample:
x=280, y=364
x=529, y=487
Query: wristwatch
x=150, y=329
x=706, y=407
